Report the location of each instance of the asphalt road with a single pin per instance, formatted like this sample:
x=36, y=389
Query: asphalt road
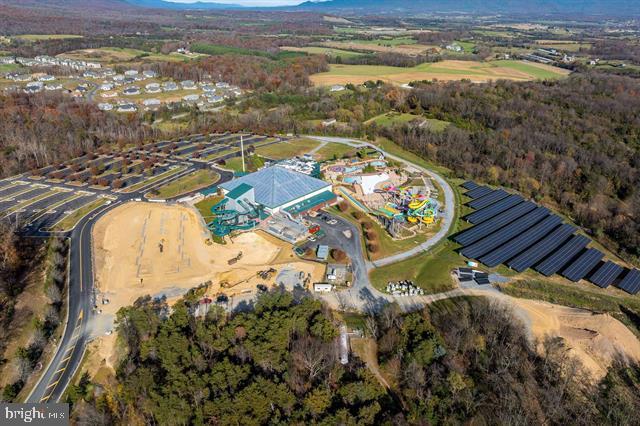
x=81, y=300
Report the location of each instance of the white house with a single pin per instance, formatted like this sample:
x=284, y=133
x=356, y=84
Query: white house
x=149, y=74
x=153, y=88
x=337, y=88
x=105, y=106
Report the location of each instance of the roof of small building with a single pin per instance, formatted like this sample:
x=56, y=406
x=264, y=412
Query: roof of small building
x=239, y=191
x=275, y=186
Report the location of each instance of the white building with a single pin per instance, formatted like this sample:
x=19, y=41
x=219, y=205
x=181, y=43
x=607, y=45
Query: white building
x=322, y=287
x=149, y=74
x=276, y=189
x=131, y=90
x=105, y=106
x=188, y=85
x=337, y=88
x=153, y=88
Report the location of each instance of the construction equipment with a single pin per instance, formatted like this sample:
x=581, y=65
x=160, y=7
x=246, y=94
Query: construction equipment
x=266, y=274
x=234, y=260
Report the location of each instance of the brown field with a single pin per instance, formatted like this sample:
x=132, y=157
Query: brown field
x=595, y=339
x=449, y=70
x=129, y=265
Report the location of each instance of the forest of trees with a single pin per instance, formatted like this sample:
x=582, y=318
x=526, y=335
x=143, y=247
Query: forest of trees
x=459, y=361
x=24, y=262
x=48, y=128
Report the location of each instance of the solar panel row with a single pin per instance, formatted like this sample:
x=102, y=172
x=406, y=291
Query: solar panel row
x=487, y=200
x=563, y=255
x=541, y=249
x=631, y=282
x=494, y=209
x=469, y=185
x=478, y=192
x=606, y=274
x=491, y=242
x=521, y=242
x=470, y=236
x=584, y=264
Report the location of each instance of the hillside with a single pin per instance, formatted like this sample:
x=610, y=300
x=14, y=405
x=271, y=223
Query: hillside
x=536, y=7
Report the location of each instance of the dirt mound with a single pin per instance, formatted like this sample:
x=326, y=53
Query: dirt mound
x=595, y=339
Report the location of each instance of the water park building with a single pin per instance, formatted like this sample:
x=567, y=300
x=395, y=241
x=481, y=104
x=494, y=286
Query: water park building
x=273, y=190
x=277, y=188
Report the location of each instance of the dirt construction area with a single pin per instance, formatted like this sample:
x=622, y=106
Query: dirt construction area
x=595, y=339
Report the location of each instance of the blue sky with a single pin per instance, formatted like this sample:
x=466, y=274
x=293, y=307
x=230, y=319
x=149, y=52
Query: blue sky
x=247, y=2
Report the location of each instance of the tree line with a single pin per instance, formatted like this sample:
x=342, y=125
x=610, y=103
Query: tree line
x=459, y=361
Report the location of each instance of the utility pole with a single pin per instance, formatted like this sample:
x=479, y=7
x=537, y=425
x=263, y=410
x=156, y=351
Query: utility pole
x=242, y=152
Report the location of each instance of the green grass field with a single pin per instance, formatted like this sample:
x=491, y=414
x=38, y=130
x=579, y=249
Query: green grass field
x=9, y=67
x=540, y=73
x=251, y=162
x=122, y=54
x=217, y=49
x=329, y=51
x=287, y=149
x=331, y=150
x=391, y=118
x=204, y=206
x=185, y=184
x=386, y=41
x=37, y=37
x=154, y=179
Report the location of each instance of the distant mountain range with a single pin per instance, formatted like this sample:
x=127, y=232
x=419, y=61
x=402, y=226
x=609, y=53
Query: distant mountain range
x=161, y=4
x=565, y=8
x=537, y=7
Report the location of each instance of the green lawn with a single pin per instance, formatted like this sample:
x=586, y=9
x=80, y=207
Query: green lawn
x=185, y=184
x=69, y=221
x=9, y=67
x=204, y=206
x=329, y=51
x=328, y=151
x=251, y=162
x=154, y=179
x=396, y=41
x=288, y=149
x=430, y=270
x=391, y=118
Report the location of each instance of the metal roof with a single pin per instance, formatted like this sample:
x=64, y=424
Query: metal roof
x=275, y=186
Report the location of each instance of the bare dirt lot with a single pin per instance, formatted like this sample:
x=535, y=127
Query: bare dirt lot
x=129, y=263
x=595, y=339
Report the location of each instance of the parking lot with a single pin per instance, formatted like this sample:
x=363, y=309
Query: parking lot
x=342, y=234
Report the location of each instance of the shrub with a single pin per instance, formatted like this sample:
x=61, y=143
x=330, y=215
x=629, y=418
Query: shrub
x=373, y=248
x=338, y=255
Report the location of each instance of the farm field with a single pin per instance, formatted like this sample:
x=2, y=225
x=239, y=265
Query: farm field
x=117, y=54
x=444, y=71
x=377, y=46
x=315, y=50
x=38, y=37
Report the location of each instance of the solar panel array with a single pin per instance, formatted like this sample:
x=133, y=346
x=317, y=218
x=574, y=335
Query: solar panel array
x=606, y=274
x=507, y=229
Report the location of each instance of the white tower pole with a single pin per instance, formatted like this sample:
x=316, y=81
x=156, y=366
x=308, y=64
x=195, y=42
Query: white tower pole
x=242, y=151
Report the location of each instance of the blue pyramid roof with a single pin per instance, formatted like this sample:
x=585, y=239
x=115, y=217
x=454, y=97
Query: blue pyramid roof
x=275, y=186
